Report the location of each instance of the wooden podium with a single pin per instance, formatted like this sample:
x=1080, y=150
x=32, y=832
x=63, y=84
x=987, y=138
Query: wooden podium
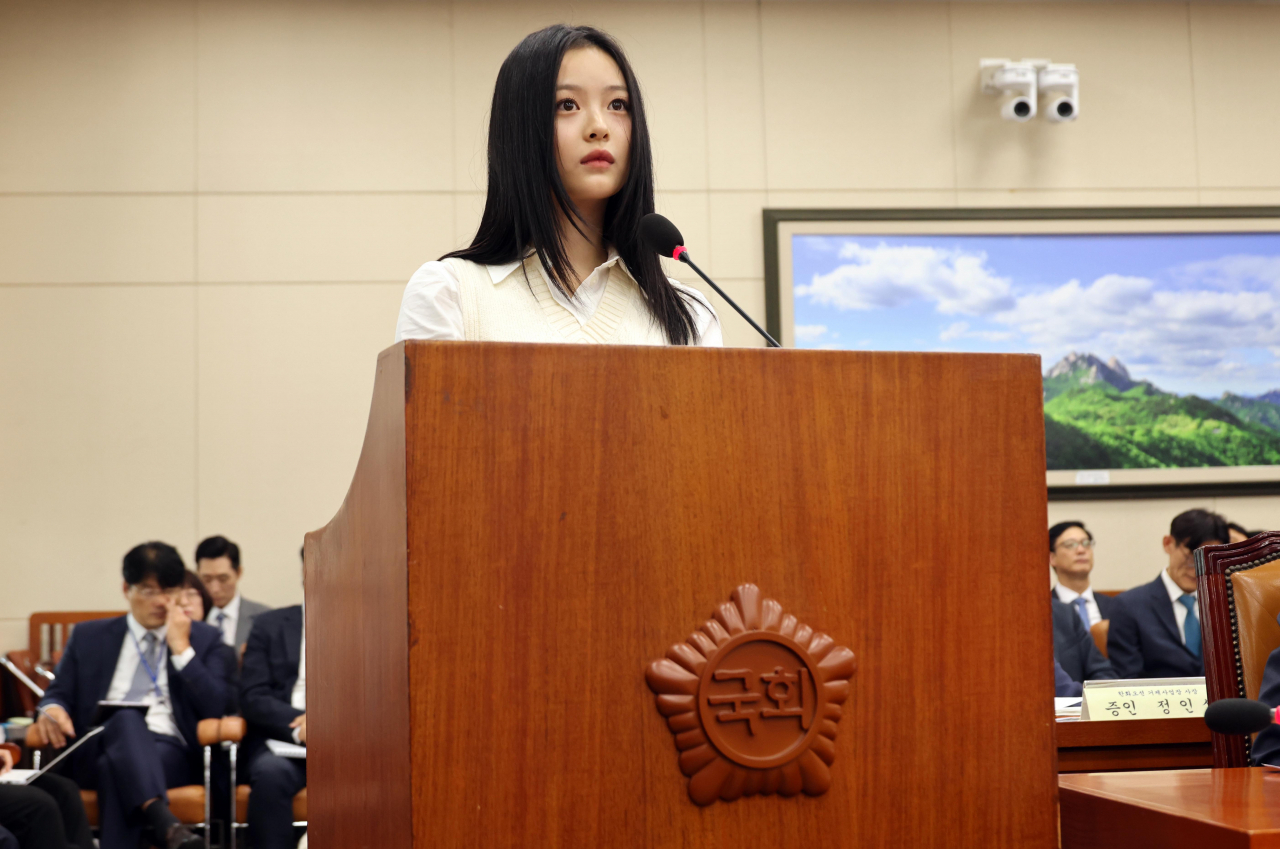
x=531, y=527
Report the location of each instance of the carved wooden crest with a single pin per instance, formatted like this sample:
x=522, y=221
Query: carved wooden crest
x=753, y=698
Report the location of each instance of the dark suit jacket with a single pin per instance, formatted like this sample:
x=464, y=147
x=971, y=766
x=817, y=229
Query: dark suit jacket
x=1063, y=686
x=1104, y=602
x=1144, y=640
x=267, y=679
x=88, y=663
x=1074, y=648
x=1266, y=746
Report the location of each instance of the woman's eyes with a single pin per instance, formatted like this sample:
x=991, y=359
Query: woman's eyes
x=568, y=104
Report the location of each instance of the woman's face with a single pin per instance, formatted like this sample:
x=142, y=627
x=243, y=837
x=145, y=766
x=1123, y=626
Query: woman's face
x=190, y=601
x=593, y=126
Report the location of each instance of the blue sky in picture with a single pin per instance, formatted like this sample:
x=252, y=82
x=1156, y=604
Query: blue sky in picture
x=1192, y=313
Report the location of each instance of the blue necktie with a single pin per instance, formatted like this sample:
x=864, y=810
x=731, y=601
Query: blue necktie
x=143, y=684
x=1191, y=628
x=1082, y=607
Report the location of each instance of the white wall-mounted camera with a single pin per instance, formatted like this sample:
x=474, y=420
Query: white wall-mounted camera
x=1022, y=84
x=1060, y=89
x=1015, y=82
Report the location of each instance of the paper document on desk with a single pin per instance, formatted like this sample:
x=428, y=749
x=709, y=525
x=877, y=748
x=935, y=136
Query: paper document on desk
x=1067, y=707
x=287, y=750
x=19, y=776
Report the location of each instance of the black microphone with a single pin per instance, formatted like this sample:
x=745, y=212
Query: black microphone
x=1238, y=716
x=662, y=236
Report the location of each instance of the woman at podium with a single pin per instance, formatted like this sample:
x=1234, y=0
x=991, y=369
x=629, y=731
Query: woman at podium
x=558, y=256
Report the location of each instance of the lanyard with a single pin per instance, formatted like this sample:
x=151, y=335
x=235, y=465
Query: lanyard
x=154, y=675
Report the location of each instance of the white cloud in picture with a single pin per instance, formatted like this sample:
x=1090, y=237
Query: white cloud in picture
x=1174, y=333
x=810, y=332
x=887, y=276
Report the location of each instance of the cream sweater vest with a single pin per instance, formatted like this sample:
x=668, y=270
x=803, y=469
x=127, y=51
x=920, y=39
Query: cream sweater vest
x=513, y=310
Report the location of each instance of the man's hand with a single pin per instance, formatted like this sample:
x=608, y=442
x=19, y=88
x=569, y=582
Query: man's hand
x=6, y=761
x=301, y=724
x=179, y=634
x=55, y=725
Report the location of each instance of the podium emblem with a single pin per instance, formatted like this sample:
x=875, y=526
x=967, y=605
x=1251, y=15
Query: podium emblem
x=753, y=698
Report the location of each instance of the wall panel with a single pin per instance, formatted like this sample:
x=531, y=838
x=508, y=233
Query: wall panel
x=301, y=160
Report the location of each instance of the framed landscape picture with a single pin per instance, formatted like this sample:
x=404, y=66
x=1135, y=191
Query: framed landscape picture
x=1158, y=329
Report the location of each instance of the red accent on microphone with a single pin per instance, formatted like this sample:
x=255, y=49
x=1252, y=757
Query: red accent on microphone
x=679, y=250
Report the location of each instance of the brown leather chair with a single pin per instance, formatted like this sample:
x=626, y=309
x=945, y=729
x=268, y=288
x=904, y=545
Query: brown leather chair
x=1099, y=631
x=48, y=631
x=1239, y=592
x=189, y=804
x=232, y=733
x=47, y=634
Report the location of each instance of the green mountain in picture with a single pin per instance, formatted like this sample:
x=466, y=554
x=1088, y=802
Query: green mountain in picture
x=1098, y=417
x=1254, y=410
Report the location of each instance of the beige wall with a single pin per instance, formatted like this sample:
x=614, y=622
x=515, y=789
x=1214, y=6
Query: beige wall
x=208, y=211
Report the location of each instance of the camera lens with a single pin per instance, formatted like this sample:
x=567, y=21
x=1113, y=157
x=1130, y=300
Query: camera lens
x=1022, y=108
x=1065, y=109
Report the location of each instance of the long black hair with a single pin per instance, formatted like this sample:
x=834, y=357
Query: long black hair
x=519, y=211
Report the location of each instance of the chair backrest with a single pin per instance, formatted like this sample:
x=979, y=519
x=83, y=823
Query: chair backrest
x=1099, y=630
x=1239, y=592
x=50, y=630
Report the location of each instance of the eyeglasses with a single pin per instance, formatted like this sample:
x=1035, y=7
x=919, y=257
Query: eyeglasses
x=1072, y=544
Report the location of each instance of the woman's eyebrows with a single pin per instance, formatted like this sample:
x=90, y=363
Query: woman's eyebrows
x=572, y=87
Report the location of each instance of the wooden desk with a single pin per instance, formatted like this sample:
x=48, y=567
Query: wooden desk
x=1220, y=808
x=1133, y=744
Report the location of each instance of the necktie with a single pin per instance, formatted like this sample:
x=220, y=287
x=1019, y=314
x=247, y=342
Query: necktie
x=222, y=624
x=1082, y=607
x=1191, y=628
x=142, y=684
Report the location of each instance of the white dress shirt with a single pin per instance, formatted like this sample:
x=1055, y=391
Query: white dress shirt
x=226, y=622
x=432, y=308
x=1069, y=596
x=160, y=714
x=298, y=698
x=1179, y=610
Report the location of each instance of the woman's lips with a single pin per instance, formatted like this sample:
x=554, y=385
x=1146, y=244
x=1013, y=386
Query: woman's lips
x=598, y=159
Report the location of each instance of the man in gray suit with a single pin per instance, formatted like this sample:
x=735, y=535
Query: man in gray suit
x=218, y=565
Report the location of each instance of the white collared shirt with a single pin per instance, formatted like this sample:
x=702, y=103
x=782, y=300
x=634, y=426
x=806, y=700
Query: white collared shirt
x=231, y=615
x=1179, y=610
x=1069, y=596
x=160, y=714
x=432, y=308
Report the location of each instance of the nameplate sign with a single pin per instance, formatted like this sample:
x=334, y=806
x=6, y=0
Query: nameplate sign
x=1144, y=698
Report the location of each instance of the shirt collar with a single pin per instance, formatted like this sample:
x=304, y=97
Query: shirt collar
x=1175, y=592
x=232, y=610
x=1067, y=595
x=135, y=628
x=498, y=273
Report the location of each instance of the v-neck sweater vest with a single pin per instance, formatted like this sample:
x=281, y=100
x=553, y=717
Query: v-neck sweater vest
x=518, y=310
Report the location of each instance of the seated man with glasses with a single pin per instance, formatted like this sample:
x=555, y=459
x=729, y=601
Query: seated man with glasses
x=1071, y=559
x=1155, y=628
x=154, y=654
